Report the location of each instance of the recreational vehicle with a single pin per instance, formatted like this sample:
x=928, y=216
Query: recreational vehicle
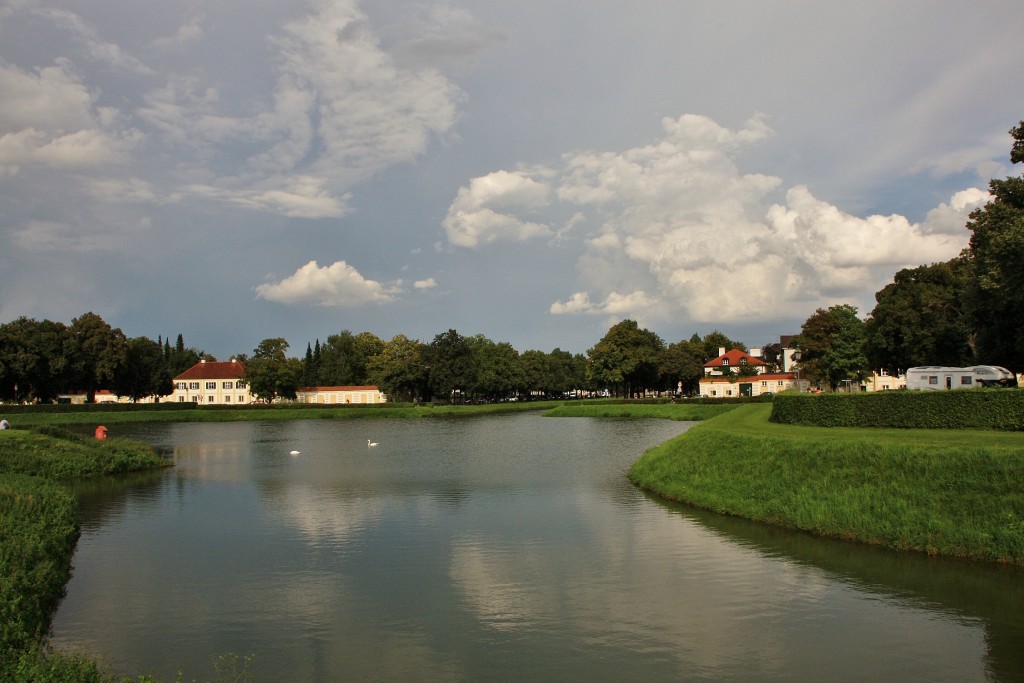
x=937, y=377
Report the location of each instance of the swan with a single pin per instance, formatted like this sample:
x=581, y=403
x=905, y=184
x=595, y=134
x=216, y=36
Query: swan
x=371, y=444
x=293, y=452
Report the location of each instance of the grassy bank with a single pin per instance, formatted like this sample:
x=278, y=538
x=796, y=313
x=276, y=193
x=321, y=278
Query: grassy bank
x=667, y=411
x=38, y=532
x=954, y=493
x=96, y=415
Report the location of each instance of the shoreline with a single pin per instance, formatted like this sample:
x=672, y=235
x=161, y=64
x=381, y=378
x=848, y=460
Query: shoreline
x=944, y=493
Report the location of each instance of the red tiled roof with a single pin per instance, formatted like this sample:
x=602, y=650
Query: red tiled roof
x=366, y=388
x=736, y=379
x=213, y=370
x=734, y=357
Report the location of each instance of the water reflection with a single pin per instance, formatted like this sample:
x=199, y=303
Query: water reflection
x=494, y=549
x=988, y=595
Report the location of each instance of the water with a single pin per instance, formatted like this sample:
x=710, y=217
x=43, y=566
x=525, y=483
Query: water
x=494, y=549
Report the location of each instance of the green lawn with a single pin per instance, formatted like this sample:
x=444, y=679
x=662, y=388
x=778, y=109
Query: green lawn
x=943, y=492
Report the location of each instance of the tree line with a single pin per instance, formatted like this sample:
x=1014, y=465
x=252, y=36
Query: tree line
x=966, y=311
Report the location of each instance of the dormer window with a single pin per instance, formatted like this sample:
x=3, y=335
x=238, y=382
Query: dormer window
x=725, y=361
x=743, y=361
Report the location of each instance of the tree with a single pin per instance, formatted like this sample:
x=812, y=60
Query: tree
x=399, y=368
x=626, y=358
x=772, y=355
x=995, y=293
x=831, y=344
x=179, y=359
x=145, y=372
x=452, y=372
x=566, y=372
x=270, y=374
x=498, y=370
x=683, y=363
x=343, y=359
x=100, y=352
x=715, y=341
x=919, y=319
x=35, y=360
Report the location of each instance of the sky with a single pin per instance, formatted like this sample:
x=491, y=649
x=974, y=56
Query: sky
x=532, y=171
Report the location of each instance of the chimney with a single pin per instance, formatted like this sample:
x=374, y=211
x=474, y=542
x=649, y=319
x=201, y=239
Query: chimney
x=721, y=350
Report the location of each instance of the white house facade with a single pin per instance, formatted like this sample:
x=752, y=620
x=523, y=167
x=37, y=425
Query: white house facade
x=212, y=383
x=340, y=395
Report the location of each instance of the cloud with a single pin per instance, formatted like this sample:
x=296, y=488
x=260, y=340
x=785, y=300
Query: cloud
x=678, y=230
x=482, y=212
x=341, y=111
x=337, y=285
x=632, y=304
x=428, y=283
x=188, y=33
x=105, y=52
x=48, y=119
x=300, y=197
x=442, y=36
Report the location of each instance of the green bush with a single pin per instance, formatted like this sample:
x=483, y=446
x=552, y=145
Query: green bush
x=1001, y=409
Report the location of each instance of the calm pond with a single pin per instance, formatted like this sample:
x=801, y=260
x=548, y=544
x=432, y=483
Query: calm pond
x=493, y=549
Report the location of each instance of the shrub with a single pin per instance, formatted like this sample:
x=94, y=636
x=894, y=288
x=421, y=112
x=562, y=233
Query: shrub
x=1001, y=409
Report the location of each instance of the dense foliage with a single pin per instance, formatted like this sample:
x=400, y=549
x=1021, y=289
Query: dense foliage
x=831, y=344
x=920, y=319
x=995, y=292
x=967, y=409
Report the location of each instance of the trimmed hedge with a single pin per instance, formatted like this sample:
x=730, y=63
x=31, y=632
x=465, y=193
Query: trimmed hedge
x=1000, y=409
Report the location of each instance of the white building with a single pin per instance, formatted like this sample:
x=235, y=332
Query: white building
x=212, y=383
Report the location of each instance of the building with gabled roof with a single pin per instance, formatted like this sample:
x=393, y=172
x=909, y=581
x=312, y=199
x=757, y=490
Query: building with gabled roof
x=340, y=395
x=211, y=382
x=732, y=362
x=732, y=386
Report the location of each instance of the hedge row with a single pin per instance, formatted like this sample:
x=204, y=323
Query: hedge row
x=1001, y=409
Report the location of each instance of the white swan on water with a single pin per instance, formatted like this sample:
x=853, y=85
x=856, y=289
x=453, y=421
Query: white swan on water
x=293, y=452
x=371, y=444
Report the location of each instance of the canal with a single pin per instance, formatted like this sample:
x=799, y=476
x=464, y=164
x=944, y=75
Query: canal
x=493, y=549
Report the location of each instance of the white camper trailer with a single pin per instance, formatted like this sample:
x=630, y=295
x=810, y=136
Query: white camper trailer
x=938, y=377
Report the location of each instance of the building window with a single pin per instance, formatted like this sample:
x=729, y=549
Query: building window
x=211, y=385
x=209, y=399
x=181, y=399
x=743, y=361
x=725, y=361
x=227, y=385
x=965, y=380
x=933, y=379
x=227, y=399
x=193, y=385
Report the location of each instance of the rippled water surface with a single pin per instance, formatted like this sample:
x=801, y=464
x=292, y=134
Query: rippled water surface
x=493, y=549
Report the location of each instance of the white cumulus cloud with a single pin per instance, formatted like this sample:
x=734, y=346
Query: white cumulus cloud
x=337, y=285
x=485, y=211
x=677, y=229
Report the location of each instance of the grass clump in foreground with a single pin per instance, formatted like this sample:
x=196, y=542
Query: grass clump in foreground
x=38, y=532
x=953, y=493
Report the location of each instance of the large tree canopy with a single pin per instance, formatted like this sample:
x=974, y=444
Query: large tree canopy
x=920, y=319
x=626, y=358
x=996, y=289
x=270, y=374
x=831, y=344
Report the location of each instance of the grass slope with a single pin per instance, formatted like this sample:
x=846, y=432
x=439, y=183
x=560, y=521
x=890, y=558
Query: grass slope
x=943, y=492
x=38, y=533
